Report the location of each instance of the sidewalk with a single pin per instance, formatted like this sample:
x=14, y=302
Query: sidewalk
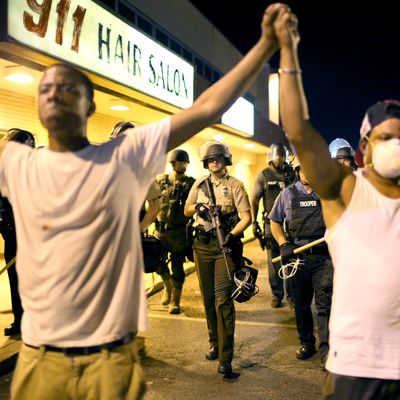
x=9, y=346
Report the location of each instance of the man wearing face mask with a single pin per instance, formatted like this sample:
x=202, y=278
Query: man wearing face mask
x=362, y=215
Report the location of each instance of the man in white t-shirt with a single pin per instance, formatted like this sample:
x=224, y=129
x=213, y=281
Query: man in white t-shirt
x=362, y=214
x=80, y=274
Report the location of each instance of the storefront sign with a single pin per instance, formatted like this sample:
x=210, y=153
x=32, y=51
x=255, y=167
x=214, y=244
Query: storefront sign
x=85, y=34
x=240, y=116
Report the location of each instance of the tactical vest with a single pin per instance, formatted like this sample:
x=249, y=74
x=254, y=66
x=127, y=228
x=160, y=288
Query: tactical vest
x=173, y=198
x=306, y=221
x=275, y=183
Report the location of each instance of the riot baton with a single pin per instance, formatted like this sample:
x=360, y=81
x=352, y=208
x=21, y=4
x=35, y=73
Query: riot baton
x=301, y=249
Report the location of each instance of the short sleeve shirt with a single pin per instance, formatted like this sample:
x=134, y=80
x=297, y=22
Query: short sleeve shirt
x=79, y=264
x=282, y=207
x=230, y=194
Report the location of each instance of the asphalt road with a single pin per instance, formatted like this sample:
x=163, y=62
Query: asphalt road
x=266, y=341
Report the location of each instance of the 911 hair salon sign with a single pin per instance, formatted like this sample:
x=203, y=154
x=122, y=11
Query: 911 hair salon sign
x=85, y=34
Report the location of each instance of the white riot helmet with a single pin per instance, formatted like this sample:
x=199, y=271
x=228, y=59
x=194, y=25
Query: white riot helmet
x=341, y=148
x=244, y=281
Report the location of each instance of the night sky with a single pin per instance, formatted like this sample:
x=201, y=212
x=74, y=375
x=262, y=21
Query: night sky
x=349, y=54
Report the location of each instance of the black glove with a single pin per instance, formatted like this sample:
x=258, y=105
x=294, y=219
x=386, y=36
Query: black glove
x=286, y=250
x=230, y=240
x=202, y=211
x=257, y=232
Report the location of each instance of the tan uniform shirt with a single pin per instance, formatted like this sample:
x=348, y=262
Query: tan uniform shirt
x=229, y=193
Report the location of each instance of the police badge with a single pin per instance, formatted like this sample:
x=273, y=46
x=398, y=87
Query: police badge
x=225, y=191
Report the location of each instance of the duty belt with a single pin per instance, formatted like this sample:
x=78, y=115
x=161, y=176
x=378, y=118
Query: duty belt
x=202, y=235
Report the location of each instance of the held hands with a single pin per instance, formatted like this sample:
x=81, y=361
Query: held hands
x=279, y=24
x=285, y=27
x=257, y=232
x=286, y=250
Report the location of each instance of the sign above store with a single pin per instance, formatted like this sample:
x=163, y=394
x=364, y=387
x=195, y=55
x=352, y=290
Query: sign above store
x=240, y=116
x=85, y=34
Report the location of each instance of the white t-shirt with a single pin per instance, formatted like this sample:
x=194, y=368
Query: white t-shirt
x=77, y=220
x=365, y=317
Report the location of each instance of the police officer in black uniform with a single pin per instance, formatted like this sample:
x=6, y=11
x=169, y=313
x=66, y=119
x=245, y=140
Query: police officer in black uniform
x=296, y=220
x=211, y=267
x=171, y=227
x=7, y=229
x=268, y=184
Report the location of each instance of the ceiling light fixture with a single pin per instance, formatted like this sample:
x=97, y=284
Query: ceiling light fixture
x=218, y=136
x=119, y=105
x=249, y=145
x=18, y=74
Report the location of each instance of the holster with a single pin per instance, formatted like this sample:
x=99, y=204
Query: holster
x=202, y=235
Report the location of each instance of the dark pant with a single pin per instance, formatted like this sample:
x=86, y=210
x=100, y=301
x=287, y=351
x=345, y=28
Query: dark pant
x=175, y=241
x=10, y=250
x=215, y=287
x=342, y=387
x=315, y=277
x=178, y=272
x=278, y=285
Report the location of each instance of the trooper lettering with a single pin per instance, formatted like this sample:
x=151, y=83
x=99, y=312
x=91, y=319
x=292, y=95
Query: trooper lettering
x=308, y=203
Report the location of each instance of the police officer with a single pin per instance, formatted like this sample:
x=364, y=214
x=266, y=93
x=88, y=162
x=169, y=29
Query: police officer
x=215, y=285
x=171, y=227
x=341, y=151
x=7, y=229
x=296, y=219
x=268, y=184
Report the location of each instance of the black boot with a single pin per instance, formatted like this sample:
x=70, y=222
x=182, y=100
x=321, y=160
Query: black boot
x=13, y=329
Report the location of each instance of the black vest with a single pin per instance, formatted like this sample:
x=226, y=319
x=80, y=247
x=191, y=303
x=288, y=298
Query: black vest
x=275, y=183
x=306, y=221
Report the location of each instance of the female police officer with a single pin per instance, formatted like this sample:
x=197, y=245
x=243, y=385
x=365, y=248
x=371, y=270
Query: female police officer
x=211, y=265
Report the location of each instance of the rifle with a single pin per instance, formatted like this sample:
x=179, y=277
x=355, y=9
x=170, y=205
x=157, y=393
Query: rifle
x=216, y=224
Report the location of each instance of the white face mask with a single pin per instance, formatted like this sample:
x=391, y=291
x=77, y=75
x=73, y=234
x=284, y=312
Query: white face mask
x=386, y=158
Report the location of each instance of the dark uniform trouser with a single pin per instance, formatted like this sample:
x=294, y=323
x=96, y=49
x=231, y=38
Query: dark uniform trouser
x=175, y=241
x=10, y=250
x=215, y=288
x=313, y=278
x=342, y=387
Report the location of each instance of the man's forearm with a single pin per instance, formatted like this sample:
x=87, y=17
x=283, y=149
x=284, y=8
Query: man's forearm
x=294, y=108
x=278, y=233
x=254, y=209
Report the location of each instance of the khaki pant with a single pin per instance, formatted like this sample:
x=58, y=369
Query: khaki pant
x=47, y=375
